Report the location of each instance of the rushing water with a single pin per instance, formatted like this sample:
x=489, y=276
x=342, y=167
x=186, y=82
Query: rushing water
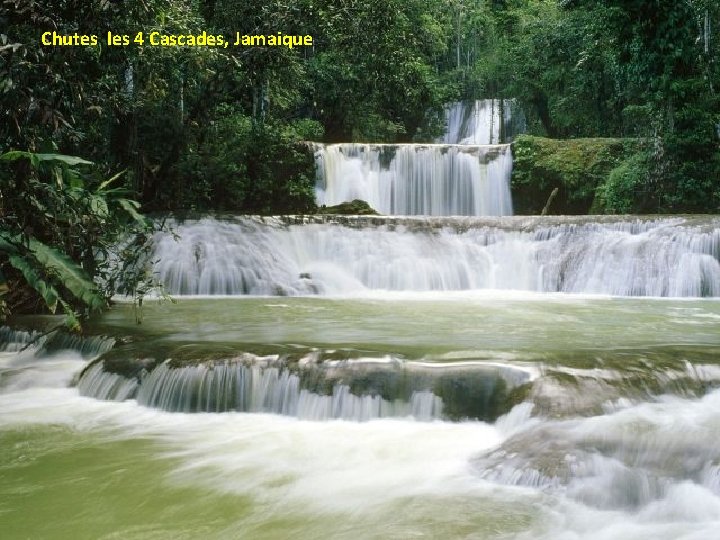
x=626, y=257
x=486, y=121
x=444, y=378
x=615, y=437
x=466, y=173
x=417, y=179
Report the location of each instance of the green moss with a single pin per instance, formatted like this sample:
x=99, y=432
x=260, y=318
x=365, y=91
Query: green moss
x=350, y=208
x=625, y=191
x=576, y=167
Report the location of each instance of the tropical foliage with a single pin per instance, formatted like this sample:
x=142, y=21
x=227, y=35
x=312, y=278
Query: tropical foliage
x=208, y=128
x=58, y=227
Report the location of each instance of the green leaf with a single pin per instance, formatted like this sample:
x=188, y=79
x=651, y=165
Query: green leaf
x=69, y=274
x=44, y=289
x=109, y=181
x=73, y=178
x=99, y=207
x=71, y=320
x=15, y=155
x=70, y=161
x=54, y=264
x=7, y=244
x=57, y=173
x=39, y=158
x=131, y=207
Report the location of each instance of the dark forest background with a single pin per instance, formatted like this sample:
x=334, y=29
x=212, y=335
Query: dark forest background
x=201, y=129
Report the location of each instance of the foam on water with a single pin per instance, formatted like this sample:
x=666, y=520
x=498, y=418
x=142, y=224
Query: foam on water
x=374, y=468
x=485, y=121
x=416, y=179
x=647, y=470
x=661, y=258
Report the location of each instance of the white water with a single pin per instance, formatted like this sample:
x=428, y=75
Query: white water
x=233, y=386
x=486, y=121
x=30, y=358
x=266, y=257
x=466, y=174
x=642, y=471
x=417, y=179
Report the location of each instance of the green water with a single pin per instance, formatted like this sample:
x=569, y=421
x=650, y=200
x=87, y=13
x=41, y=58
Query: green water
x=523, y=327
x=74, y=467
x=84, y=473
x=58, y=482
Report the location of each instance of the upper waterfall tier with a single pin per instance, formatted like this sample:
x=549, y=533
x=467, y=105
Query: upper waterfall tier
x=485, y=121
x=314, y=255
x=417, y=179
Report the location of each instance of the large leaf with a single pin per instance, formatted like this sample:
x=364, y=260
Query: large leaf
x=131, y=207
x=99, y=207
x=44, y=289
x=69, y=274
x=36, y=159
x=53, y=263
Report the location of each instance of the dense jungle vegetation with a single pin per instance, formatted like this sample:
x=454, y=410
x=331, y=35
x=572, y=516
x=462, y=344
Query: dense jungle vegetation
x=206, y=128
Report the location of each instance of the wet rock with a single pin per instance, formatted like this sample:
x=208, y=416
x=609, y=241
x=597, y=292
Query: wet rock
x=356, y=207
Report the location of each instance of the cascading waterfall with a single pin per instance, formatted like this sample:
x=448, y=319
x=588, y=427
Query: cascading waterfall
x=101, y=384
x=485, y=121
x=38, y=343
x=349, y=390
x=31, y=358
x=12, y=340
x=663, y=257
x=230, y=386
x=417, y=179
x=467, y=173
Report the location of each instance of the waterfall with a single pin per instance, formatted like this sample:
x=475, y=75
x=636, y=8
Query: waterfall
x=466, y=174
x=358, y=390
x=417, y=179
x=51, y=359
x=42, y=344
x=485, y=121
x=231, y=386
x=101, y=384
x=274, y=256
x=13, y=340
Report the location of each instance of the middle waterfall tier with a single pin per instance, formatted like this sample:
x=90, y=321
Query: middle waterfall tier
x=631, y=256
x=417, y=179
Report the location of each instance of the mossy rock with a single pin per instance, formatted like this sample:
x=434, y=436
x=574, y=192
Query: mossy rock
x=576, y=167
x=356, y=207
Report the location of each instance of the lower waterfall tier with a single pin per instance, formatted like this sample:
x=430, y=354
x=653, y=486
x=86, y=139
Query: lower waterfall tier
x=307, y=256
x=357, y=390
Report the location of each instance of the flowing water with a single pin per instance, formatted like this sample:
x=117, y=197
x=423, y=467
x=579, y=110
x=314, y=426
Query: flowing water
x=466, y=173
x=384, y=377
x=417, y=179
x=485, y=121
x=400, y=378
x=271, y=256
